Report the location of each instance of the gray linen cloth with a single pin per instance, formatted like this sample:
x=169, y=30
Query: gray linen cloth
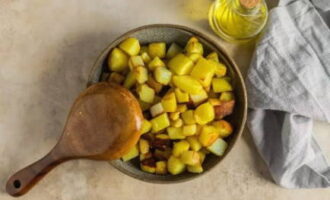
x=288, y=87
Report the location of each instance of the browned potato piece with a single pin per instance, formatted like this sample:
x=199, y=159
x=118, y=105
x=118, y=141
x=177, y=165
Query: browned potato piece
x=224, y=109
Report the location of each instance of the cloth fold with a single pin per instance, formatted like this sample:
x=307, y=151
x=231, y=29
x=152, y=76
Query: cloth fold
x=288, y=87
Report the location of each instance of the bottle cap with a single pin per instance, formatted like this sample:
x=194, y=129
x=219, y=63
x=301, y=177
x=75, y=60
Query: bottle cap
x=249, y=3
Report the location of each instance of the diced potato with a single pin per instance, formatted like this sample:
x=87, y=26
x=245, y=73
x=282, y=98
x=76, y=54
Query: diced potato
x=182, y=97
x=157, y=49
x=162, y=155
x=224, y=109
x=199, y=129
x=207, y=136
x=180, y=147
x=169, y=102
x=218, y=147
x=189, y=130
x=159, y=123
x=194, y=143
x=213, y=56
x=131, y=46
x=194, y=48
x=116, y=78
x=154, y=63
x=181, y=108
x=134, y=152
x=204, y=113
x=144, y=105
x=188, y=84
x=143, y=49
x=220, y=70
x=175, y=166
x=161, y=167
x=221, y=85
x=188, y=117
x=118, y=60
x=145, y=57
x=175, y=133
x=189, y=157
x=194, y=57
x=173, y=50
x=145, y=127
x=162, y=136
x=145, y=156
x=201, y=156
x=143, y=146
x=130, y=80
x=226, y=96
x=180, y=64
x=135, y=61
x=148, y=165
x=198, y=98
x=177, y=123
x=192, y=39
x=203, y=71
x=154, y=84
x=163, y=75
x=174, y=115
x=146, y=93
x=214, y=101
x=156, y=109
x=223, y=127
x=195, y=168
x=140, y=74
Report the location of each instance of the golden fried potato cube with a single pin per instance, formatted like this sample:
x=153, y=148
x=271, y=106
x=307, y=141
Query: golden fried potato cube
x=174, y=115
x=190, y=157
x=147, y=168
x=175, y=133
x=204, y=113
x=188, y=117
x=159, y=123
x=213, y=56
x=162, y=155
x=140, y=74
x=195, y=168
x=177, y=123
x=157, y=49
x=173, y=50
x=202, y=156
x=194, y=57
x=143, y=146
x=154, y=63
x=163, y=75
x=203, y=71
x=161, y=167
x=130, y=80
x=169, y=102
x=180, y=147
x=145, y=57
x=226, y=96
x=145, y=156
x=181, y=107
x=146, y=93
x=116, y=78
x=221, y=85
x=154, y=84
x=162, y=136
x=214, y=101
x=156, y=109
x=182, y=97
x=133, y=152
x=220, y=69
x=194, y=48
x=194, y=143
x=187, y=84
x=224, y=128
x=131, y=46
x=199, y=98
x=135, y=61
x=118, y=60
x=208, y=135
x=180, y=64
x=218, y=147
x=145, y=126
x=224, y=109
x=175, y=166
x=188, y=130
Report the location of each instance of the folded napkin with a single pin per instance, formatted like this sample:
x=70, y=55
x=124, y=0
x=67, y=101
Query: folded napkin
x=288, y=87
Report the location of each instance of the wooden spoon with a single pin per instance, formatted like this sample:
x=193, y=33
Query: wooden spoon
x=103, y=124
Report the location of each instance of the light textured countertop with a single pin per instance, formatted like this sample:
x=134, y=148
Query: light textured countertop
x=46, y=51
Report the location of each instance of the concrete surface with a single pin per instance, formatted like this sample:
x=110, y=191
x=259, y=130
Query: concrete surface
x=46, y=51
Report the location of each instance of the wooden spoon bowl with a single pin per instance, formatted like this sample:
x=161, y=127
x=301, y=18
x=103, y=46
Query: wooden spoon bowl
x=103, y=124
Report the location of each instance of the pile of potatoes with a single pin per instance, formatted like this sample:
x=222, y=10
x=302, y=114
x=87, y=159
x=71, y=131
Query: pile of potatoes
x=184, y=97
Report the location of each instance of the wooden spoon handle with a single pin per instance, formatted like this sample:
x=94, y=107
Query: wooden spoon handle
x=23, y=180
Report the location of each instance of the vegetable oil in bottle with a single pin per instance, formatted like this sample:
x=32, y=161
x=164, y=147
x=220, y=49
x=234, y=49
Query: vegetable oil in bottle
x=238, y=20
